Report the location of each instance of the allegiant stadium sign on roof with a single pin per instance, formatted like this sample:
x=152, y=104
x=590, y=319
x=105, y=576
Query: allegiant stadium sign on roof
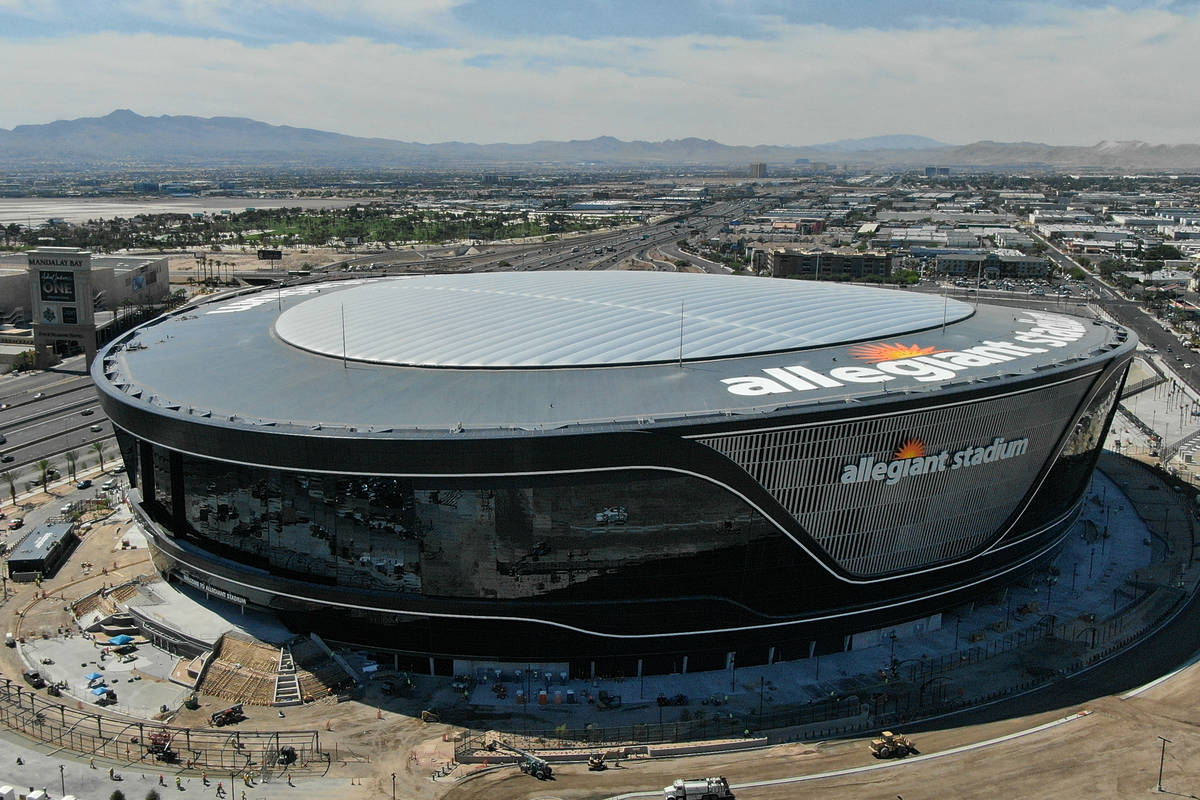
x=893, y=360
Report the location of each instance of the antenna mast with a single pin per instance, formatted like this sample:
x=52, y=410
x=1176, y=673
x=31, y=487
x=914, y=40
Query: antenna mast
x=681, y=334
x=344, y=336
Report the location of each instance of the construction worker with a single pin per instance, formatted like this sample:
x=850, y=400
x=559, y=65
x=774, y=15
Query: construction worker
x=92, y=763
x=179, y=783
x=161, y=782
x=220, y=789
x=204, y=777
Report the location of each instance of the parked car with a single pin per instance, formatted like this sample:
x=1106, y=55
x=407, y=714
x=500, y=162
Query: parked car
x=16, y=523
x=83, y=484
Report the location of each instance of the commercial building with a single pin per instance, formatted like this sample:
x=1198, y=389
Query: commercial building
x=758, y=170
x=41, y=552
x=828, y=264
x=63, y=294
x=607, y=471
x=992, y=265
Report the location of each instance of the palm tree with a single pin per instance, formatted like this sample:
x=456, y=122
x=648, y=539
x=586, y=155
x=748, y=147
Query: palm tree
x=12, y=485
x=44, y=466
x=98, y=449
x=72, y=459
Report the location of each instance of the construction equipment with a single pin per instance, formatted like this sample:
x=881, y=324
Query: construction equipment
x=892, y=745
x=227, y=716
x=698, y=789
x=596, y=762
x=604, y=700
x=528, y=763
x=160, y=747
x=430, y=716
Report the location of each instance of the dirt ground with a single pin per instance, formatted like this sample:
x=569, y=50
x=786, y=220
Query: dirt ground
x=1113, y=752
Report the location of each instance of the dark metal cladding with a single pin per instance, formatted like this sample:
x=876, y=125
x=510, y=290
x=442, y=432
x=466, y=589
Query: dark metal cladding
x=613, y=510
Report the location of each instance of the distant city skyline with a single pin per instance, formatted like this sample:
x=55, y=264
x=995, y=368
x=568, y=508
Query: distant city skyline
x=754, y=72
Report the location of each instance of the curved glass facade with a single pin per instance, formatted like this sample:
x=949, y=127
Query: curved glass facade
x=641, y=561
x=499, y=539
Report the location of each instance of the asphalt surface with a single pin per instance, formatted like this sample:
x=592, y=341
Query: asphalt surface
x=57, y=422
x=572, y=253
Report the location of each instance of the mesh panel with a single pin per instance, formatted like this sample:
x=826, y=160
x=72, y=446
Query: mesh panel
x=870, y=527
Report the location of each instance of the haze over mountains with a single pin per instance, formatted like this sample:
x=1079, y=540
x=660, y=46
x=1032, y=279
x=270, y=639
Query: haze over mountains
x=126, y=139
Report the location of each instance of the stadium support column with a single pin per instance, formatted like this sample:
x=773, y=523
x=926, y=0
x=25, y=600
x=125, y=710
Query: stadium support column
x=178, y=507
x=146, y=461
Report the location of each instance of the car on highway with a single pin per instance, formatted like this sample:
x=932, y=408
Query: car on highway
x=6, y=458
x=96, y=428
x=39, y=395
x=87, y=412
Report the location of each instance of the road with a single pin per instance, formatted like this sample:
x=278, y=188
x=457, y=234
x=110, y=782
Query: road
x=1089, y=758
x=573, y=253
x=63, y=419
x=1129, y=313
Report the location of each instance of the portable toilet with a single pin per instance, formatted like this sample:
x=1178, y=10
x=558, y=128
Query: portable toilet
x=8, y=793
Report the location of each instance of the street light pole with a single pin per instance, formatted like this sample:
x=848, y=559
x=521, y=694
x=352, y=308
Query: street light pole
x=393, y=786
x=1162, y=757
x=62, y=777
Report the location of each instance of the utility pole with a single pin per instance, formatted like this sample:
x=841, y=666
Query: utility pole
x=1162, y=757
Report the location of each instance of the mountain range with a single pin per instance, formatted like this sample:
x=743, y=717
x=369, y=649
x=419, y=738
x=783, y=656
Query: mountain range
x=126, y=139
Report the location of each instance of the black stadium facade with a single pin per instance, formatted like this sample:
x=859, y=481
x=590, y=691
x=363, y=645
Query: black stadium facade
x=608, y=470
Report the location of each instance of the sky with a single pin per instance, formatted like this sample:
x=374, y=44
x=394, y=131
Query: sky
x=783, y=72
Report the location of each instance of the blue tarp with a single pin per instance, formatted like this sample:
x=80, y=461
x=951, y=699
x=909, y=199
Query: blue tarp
x=93, y=676
x=99, y=690
x=122, y=639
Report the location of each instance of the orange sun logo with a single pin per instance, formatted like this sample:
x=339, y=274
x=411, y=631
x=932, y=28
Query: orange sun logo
x=913, y=448
x=890, y=351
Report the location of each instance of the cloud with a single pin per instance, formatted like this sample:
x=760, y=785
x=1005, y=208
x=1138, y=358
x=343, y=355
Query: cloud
x=1108, y=74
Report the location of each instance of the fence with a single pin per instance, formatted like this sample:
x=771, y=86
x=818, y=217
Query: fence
x=216, y=750
x=914, y=689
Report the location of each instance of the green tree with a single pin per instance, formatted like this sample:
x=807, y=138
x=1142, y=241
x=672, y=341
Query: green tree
x=99, y=449
x=25, y=360
x=117, y=795
x=44, y=468
x=1162, y=252
x=72, y=458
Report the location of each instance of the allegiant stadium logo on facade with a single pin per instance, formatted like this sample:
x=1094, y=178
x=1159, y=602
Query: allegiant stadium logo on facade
x=891, y=360
x=911, y=459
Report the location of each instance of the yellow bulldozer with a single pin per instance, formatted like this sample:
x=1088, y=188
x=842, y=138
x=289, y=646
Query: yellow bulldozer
x=892, y=745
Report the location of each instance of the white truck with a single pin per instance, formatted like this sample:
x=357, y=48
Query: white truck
x=698, y=789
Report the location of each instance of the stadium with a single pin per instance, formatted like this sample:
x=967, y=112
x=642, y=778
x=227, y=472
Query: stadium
x=606, y=471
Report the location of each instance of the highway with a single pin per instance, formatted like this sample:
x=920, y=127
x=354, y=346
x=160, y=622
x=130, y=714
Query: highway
x=43, y=415
x=571, y=253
